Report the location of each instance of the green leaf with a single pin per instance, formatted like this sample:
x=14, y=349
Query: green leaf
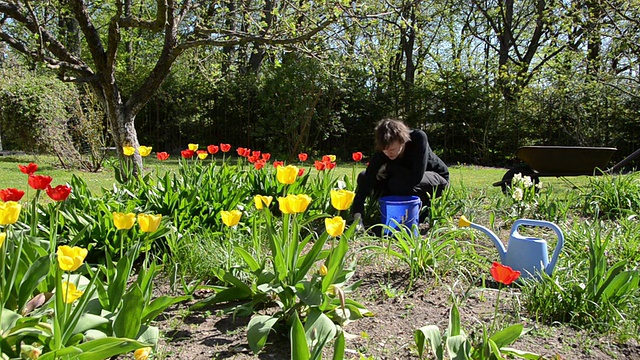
x=454, y=321
x=520, y=353
x=248, y=258
x=621, y=284
x=339, y=347
x=458, y=347
x=62, y=353
x=149, y=335
x=107, y=348
x=319, y=330
x=507, y=336
x=258, y=331
x=495, y=350
x=89, y=321
x=432, y=333
x=8, y=320
x=310, y=258
x=308, y=293
x=159, y=304
x=336, y=261
x=32, y=278
x=299, y=346
x=128, y=321
x=118, y=286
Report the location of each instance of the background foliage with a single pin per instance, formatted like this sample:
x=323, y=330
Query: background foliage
x=565, y=77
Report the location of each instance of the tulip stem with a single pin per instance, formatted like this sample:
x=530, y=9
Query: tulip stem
x=121, y=238
x=34, y=215
x=53, y=227
x=495, y=311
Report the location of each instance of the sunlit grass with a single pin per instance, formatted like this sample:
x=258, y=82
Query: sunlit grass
x=471, y=177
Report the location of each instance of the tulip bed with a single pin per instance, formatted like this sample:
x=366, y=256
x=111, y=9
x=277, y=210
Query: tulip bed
x=255, y=237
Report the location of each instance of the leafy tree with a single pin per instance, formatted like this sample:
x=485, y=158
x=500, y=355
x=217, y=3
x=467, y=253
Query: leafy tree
x=108, y=27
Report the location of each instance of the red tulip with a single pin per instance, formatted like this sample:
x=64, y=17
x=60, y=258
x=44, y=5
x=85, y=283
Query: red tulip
x=212, y=149
x=246, y=152
x=240, y=151
x=162, y=156
x=266, y=156
x=59, y=193
x=255, y=154
x=320, y=165
x=504, y=274
x=28, y=169
x=252, y=159
x=11, y=194
x=225, y=147
x=39, y=182
x=187, y=153
x=357, y=156
x=278, y=163
x=259, y=164
x=330, y=165
x=303, y=156
x=301, y=172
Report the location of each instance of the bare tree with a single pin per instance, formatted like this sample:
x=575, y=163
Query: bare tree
x=521, y=29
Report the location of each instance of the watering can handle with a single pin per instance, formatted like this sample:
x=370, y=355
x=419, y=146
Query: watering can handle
x=550, y=225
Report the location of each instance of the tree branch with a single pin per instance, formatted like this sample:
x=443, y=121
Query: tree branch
x=244, y=38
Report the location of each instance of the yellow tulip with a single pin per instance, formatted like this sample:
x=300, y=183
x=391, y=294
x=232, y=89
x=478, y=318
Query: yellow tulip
x=300, y=202
x=123, y=221
x=9, y=212
x=70, y=293
x=128, y=150
x=342, y=199
x=332, y=157
x=3, y=237
x=148, y=222
x=335, y=226
x=323, y=270
x=293, y=204
x=202, y=155
x=231, y=218
x=193, y=147
x=287, y=174
x=70, y=258
x=142, y=353
x=144, y=150
x=261, y=201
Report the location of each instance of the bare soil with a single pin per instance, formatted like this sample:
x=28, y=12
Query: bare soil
x=213, y=334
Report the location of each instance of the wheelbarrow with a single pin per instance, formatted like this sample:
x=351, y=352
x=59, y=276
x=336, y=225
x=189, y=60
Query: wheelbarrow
x=562, y=161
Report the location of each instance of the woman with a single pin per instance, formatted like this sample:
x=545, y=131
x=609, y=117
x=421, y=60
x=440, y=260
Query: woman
x=403, y=164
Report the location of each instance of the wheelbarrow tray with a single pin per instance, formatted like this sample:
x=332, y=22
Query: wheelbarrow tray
x=565, y=160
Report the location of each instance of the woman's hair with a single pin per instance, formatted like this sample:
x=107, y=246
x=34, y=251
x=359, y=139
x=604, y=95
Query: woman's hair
x=389, y=131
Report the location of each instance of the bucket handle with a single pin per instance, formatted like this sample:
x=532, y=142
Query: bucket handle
x=549, y=225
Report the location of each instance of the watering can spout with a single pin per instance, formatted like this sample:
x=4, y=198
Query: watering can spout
x=464, y=222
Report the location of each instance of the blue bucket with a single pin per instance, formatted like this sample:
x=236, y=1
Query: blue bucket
x=400, y=212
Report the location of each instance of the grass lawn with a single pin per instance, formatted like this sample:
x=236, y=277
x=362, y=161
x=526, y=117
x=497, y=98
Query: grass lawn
x=462, y=176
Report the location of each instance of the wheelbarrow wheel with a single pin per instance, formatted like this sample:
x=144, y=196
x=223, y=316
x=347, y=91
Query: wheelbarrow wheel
x=507, y=179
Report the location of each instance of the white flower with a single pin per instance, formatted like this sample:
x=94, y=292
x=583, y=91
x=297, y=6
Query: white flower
x=517, y=194
x=539, y=185
x=526, y=181
x=517, y=178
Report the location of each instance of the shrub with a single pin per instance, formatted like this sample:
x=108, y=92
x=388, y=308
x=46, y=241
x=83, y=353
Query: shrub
x=43, y=115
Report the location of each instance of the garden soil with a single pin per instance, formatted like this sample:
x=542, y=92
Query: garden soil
x=210, y=333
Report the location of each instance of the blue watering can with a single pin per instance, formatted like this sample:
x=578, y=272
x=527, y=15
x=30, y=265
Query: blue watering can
x=526, y=254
